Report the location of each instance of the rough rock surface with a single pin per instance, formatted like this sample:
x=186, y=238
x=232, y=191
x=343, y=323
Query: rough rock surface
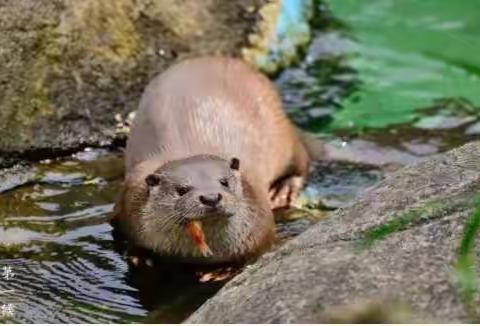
x=391, y=256
x=17, y=175
x=68, y=67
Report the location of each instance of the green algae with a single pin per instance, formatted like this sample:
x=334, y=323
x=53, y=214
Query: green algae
x=432, y=210
x=397, y=224
x=466, y=266
x=21, y=109
x=408, y=54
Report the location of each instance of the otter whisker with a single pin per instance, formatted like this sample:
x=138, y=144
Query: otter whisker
x=164, y=220
x=170, y=221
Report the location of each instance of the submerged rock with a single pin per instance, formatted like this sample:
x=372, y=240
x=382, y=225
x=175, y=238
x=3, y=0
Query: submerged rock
x=17, y=175
x=404, y=251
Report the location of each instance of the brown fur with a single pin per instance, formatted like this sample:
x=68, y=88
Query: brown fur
x=224, y=108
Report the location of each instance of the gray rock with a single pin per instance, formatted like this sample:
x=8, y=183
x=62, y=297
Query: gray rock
x=391, y=256
x=69, y=67
x=16, y=176
x=442, y=122
x=473, y=129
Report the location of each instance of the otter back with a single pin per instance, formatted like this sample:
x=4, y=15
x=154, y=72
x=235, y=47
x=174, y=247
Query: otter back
x=214, y=106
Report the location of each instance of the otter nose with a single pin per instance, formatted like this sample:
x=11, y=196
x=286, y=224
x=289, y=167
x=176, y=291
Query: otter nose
x=210, y=200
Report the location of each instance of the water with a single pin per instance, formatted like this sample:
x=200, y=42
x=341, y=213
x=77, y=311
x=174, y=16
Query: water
x=55, y=238
x=397, y=78
x=408, y=54
x=395, y=81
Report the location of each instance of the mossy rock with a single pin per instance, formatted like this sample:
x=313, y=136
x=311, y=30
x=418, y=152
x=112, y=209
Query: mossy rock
x=407, y=250
x=70, y=67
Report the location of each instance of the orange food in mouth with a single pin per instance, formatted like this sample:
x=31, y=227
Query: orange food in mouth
x=194, y=229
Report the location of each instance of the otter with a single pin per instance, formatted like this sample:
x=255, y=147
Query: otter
x=210, y=142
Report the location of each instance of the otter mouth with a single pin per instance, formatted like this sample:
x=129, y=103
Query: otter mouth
x=211, y=215
x=194, y=227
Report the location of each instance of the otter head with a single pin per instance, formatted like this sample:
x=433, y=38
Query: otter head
x=206, y=188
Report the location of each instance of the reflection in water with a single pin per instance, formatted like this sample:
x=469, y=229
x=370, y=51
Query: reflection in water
x=170, y=292
x=55, y=239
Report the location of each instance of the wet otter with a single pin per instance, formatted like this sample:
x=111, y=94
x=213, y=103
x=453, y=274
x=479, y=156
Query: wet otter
x=211, y=143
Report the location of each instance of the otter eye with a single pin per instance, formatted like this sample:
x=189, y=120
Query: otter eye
x=234, y=163
x=182, y=190
x=224, y=182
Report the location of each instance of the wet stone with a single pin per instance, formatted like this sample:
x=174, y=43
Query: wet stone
x=473, y=129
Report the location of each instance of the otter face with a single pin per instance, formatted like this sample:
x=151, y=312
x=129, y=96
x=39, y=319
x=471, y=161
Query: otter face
x=208, y=189
x=202, y=188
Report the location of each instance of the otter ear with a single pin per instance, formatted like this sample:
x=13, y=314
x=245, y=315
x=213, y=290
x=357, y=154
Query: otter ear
x=234, y=163
x=152, y=180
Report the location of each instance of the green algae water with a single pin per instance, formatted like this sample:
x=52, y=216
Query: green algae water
x=397, y=79
x=408, y=54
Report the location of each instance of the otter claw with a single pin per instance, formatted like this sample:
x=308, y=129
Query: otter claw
x=285, y=193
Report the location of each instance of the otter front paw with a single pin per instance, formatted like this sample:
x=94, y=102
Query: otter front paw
x=285, y=192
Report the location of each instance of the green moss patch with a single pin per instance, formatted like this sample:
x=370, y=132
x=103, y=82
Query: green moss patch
x=433, y=210
x=380, y=232
x=467, y=278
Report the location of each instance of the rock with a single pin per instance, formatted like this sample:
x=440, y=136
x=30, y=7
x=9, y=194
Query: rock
x=394, y=254
x=443, y=122
x=423, y=148
x=16, y=176
x=284, y=27
x=474, y=129
x=70, y=67
x=369, y=152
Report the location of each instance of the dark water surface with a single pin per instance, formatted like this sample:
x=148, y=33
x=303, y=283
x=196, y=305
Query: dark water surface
x=393, y=81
